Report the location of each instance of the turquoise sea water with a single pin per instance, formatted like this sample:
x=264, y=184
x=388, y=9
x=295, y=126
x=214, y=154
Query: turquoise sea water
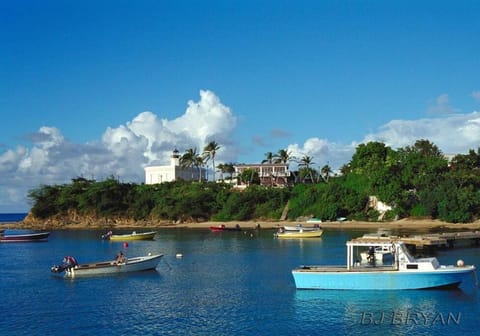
x=230, y=283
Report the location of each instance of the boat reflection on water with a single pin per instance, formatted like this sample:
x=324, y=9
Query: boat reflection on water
x=432, y=310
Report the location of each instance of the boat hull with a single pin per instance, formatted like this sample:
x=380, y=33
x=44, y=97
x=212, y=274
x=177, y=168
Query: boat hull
x=24, y=238
x=336, y=278
x=136, y=264
x=295, y=234
x=134, y=236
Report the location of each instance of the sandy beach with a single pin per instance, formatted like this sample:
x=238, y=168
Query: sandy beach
x=413, y=224
x=404, y=223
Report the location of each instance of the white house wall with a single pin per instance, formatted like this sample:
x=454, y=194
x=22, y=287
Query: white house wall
x=161, y=174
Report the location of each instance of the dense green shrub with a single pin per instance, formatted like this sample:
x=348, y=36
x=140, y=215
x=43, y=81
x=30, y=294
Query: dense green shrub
x=416, y=180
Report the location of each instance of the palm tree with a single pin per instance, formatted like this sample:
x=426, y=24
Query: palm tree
x=325, y=172
x=189, y=159
x=229, y=168
x=199, y=162
x=283, y=156
x=221, y=167
x=269, y=158
x=307, y=161
x=209, y=152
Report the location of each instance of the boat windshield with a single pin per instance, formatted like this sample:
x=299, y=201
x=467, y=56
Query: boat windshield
x=404, y=250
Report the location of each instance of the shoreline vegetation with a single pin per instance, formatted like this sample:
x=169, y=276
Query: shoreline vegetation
x=414, y=187
x=408, y=223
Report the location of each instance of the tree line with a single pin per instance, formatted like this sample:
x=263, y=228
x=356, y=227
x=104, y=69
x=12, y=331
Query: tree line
x=416, y=180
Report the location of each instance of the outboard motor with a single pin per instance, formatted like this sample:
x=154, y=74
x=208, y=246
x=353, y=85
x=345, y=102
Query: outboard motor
x=57, y=268
x=67, y=262
x=107, y=235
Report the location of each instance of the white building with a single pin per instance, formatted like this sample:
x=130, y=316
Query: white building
x=270, y=174
x=173, y=172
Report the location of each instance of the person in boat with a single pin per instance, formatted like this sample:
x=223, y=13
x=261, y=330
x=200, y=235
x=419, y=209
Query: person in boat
x=371, y=254
x=69, y=262
x=120, y=258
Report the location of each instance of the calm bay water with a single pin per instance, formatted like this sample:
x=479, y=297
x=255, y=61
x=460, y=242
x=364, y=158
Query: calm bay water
x=226, y=284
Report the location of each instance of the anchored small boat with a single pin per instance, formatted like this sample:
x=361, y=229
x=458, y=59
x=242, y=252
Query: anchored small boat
x=300, y=227
x=130, y=236
x=23, y=238
x=71, y=269
x=299, y=232
x=405, y=271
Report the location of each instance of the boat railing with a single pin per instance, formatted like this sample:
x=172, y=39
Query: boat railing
x=337, y=268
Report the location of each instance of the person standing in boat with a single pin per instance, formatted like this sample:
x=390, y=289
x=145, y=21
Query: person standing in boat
x=371, y=255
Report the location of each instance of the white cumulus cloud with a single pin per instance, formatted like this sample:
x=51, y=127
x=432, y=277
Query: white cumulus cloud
x=323, y=152
x=123, y=151
x=453, y=134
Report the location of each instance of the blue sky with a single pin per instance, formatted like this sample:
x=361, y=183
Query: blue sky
x=100, y=88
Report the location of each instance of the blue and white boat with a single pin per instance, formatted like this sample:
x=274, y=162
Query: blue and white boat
x=404, y=272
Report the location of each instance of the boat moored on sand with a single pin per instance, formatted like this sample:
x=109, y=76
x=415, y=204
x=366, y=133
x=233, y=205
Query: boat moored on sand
x=405, y=272
x=223, y=227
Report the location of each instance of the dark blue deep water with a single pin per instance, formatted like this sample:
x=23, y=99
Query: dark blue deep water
x=12, y=217
x=226, y=284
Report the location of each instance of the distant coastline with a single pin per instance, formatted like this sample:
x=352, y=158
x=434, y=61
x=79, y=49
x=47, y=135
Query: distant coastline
x=80, y=224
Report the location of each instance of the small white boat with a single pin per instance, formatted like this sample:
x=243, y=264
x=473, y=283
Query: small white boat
x=377, y=254
x=314, y=220
x=129, y=236
x=405, y=272
x=70, y=269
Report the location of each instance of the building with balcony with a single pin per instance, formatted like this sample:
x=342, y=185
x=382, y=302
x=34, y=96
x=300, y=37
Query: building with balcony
x=270, y=174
